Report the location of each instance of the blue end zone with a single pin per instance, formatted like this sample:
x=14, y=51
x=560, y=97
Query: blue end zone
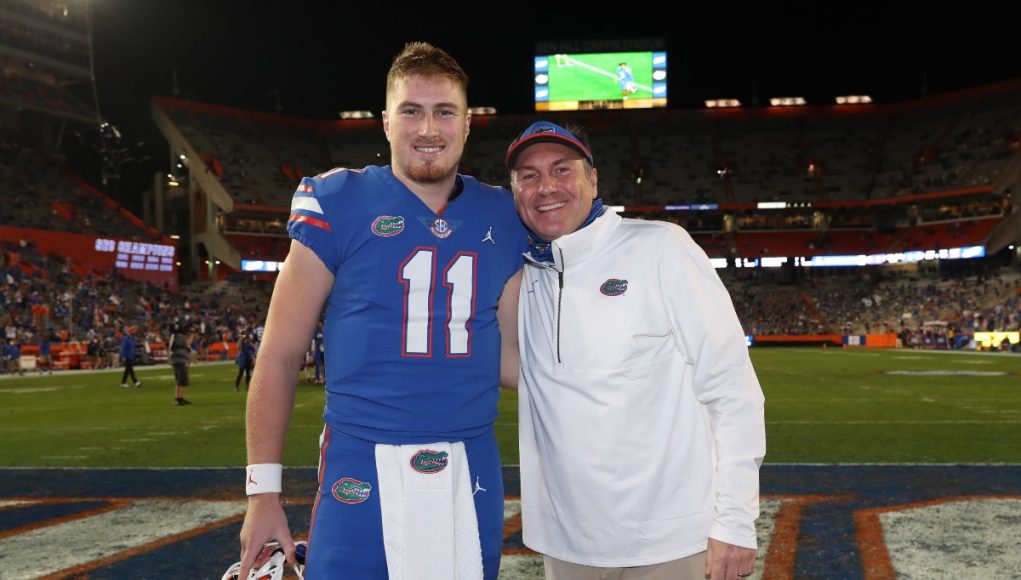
x=827, y=541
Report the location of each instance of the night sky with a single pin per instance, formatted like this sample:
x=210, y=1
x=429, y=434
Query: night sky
x=324, y=57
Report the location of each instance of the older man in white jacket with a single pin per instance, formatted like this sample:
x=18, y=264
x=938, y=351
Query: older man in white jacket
x=641, y=418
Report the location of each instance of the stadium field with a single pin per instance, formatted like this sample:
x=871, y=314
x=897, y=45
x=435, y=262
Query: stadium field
x=880, y=464
x=822, y=406
x=593, y=77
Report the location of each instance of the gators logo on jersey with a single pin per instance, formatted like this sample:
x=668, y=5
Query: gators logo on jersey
x=429, y=461
x=613, y=287
x=350, y=490
x=386, y=226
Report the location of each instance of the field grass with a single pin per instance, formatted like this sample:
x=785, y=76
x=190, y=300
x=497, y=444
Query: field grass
x=593, y=77
x=822, y=405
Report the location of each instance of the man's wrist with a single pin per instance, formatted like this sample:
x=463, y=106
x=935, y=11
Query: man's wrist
x=263, y=478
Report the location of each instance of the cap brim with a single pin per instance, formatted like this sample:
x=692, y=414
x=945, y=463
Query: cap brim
x=545, y=132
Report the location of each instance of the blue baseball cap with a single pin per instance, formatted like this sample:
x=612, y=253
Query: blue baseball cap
x=545, y=132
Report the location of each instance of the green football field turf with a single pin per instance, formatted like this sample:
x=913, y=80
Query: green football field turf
x=593, y=77
x=822, y=405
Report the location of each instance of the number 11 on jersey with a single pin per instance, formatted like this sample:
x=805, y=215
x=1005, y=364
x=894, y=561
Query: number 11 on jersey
x=418, y=275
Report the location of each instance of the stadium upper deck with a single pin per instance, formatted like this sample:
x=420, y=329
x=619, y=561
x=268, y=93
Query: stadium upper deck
x=848, y=179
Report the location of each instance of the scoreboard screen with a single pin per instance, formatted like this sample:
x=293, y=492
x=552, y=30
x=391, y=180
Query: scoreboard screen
x=600, y=80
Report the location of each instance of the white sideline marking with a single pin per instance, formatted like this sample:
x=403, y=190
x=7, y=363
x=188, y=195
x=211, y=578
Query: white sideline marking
x=30, y=390
x=81, y=541
x=765, y=527
x=521, y=567
x=963, y=539
x=169, y=377
x=14, y=502
x=978, y=422
x=885, y=399
x=511, y=508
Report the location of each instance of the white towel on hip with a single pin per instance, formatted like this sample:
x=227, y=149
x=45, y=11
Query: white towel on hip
x=430, y=529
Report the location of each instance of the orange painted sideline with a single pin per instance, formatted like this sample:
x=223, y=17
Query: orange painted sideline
x=875, y=558
x=783, y=547
x=511, y=526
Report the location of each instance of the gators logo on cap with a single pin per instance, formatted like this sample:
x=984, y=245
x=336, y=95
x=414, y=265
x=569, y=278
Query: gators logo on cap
x=386, y=226
x=429, y=461
x=350, y=490
x=613, y=287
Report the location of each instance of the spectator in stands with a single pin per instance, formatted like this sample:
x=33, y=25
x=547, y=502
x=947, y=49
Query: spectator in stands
x=1006, y=345
x=204, y=341
x=245, y=361
x=12, y=358
x=650, y=362
x=180, y=359
x=93, y=352
x=418, y=392
x=127, y=354
x=259, y=329
x=45, y=354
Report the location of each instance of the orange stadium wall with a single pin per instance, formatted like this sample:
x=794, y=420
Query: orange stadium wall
x=72, y=355
x=888, y=340
x=81, y=249
x=797, y=340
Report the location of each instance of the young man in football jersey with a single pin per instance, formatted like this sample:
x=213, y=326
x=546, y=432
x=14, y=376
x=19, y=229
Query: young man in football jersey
x=419, y=267
x=641, y=418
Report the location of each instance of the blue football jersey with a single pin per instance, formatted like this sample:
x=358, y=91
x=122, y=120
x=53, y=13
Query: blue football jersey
x=412, y=340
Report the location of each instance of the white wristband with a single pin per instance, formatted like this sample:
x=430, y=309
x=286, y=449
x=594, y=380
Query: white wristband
x=263, y=478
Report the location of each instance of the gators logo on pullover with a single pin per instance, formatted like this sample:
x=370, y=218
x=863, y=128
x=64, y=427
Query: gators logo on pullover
x=613, y=287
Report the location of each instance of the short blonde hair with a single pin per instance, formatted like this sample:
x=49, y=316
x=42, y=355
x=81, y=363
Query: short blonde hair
x=424, y=59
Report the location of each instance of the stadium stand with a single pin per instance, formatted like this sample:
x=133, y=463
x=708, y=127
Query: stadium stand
x=928, y=175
